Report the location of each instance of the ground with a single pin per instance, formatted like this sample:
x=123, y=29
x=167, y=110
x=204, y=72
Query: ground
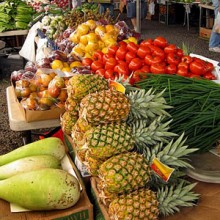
x=176, y=34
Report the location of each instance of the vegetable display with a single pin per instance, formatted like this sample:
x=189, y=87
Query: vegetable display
x=29, y=164
x=48, y=146
x=44, y=189
x=196, y=107
x=15, y=15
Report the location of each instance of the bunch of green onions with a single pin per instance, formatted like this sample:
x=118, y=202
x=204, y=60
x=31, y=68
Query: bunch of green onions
x=196, y=107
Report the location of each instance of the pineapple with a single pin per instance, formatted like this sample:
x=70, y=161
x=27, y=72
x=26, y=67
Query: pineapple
x=130, y=171
x=72, y=106
x=148, y=205
x=104, y=107
x=110, y=105
x=92, y=164
x=106, y=140
x=67, y=121
x=80, y=85
x=124, y=173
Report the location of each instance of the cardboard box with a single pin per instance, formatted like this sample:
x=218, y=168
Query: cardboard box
x=208, y=206
x=83, y=210
x=205, y=33
x=34, y=115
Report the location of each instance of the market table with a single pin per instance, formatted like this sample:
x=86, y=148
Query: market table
x=187, y=8
x=17, y=120
x=14, y=33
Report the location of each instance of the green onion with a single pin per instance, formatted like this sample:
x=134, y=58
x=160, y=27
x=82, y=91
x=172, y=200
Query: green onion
x=196, y=105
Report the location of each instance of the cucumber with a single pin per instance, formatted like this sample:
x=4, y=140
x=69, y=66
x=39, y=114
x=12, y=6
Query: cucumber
x=28, y=164
x=45, y=189
x=48, y=146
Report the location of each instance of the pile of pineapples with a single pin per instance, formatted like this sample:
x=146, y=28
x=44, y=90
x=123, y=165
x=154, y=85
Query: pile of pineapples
x=117, y=135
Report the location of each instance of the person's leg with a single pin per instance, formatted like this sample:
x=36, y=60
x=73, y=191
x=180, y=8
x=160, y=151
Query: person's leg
x=214, y=41
x=131, y=13
x=101, y=9
x=111, y=8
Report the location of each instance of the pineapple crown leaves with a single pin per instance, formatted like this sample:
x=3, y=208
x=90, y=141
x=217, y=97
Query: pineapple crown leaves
x=174, y=154
x=147, y=104
x=172, y=197
x=148, y=135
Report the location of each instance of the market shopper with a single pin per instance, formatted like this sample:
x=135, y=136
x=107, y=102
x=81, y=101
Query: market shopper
x=131, y=11
x=103, y=7
x=214, y=42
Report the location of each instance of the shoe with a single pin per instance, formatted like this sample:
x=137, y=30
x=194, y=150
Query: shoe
x=215, y=49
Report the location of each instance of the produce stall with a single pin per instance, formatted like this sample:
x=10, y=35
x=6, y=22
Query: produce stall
x=136, y=115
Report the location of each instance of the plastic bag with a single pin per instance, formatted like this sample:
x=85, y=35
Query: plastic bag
x=217, y=24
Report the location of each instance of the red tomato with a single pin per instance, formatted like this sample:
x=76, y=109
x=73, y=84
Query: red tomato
x=197, y=67
x=100, y=72
x=112, y=49
x=209, y=67
x=122, y=69
x=96, y=65
x=171, y=69
x=129, y=56
x=183, y=64
x=135, y=64
x=122, y=44
x=158, y=68
x=171, y=48
x=131, y=46
x=110, y=74
x=179, y=52
x=87, y=61
x=187, y=59
x=120, y=53
x=150, y=59
x=110, y=63
x=143, y=51
x=159, y=52
x=98, y=55
x=173, y=58
x=160, y=42
x=147, y=42
x=134, y=78
x=182, y=71
x=209, y=76
x=192, y=75
x=145, y=69
x=106, y=57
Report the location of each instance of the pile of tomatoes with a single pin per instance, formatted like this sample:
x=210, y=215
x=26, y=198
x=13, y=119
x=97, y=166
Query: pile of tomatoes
x=150, y=56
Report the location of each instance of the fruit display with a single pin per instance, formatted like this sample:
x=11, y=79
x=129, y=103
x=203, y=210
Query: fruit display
x=117, y=136
x=129, y=132
x=15, y=15
x=31, y=177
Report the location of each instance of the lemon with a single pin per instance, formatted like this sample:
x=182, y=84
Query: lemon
x=56, y=64
x=83, y=39
x=78, y=51
x=66, y=69
x=132, y=39
x=83, y=29
x=75, y=64
x=91, y=24
x=100, y=30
